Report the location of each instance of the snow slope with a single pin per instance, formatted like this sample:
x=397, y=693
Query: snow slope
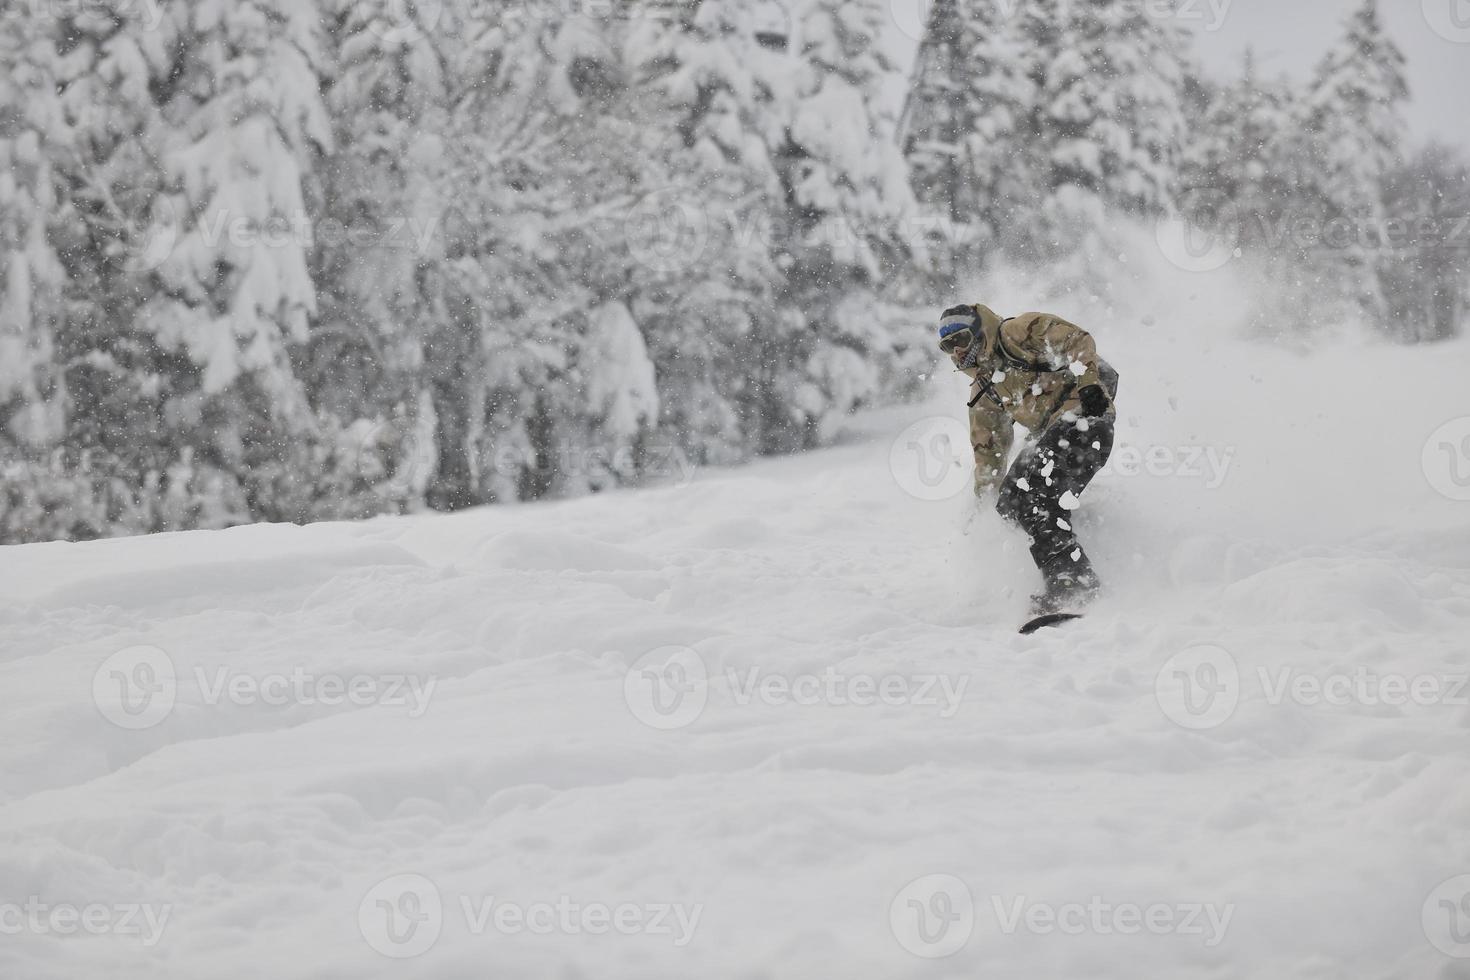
x=531, y=780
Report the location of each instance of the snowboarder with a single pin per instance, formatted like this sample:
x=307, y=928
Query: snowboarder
x=1044, y=373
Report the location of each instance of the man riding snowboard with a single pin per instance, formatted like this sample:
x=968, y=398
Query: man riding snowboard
x=1043, y=372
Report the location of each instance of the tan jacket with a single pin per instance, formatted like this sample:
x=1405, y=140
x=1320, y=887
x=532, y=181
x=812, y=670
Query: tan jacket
x=1029, y=371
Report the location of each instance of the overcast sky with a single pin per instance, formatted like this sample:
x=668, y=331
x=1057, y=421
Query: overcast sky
x=1292, y=35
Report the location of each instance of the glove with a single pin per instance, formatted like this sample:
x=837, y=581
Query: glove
x=1095, y=401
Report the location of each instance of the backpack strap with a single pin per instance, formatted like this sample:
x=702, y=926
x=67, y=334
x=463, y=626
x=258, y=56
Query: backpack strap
x=1014, y=358
x=986, y=388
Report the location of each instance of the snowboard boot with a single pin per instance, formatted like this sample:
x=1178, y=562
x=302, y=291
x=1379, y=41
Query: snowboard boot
x=1071, y=586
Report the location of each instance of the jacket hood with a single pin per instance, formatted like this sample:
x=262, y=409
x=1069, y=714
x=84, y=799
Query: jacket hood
x=990, y=321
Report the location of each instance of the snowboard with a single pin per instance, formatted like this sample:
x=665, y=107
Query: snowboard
x=1048, y=621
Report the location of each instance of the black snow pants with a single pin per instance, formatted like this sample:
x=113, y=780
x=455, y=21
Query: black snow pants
x=1054, y=469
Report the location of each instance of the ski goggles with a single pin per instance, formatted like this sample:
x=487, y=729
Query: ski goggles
x=959, y=340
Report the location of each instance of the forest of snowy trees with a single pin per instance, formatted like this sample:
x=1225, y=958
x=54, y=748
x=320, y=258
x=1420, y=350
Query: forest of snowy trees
x=1040, y=123
x=291, y=260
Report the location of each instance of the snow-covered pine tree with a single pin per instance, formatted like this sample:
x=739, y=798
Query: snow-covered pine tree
x=248, y=128
x=223, y=329
x=122, y=423
x=1240, y=184
x=936, y=120
x=707, y=71
x=969, y=105
x=32, y=383
x=1355, y=121
x=840, y=168
x=849, y=217
x=1227, y=153
x=1111, y=116
x=549, y=164
x=46, y=489
x=245, y=129
x=381, y=248
x=1427, y=282
x=184, y=232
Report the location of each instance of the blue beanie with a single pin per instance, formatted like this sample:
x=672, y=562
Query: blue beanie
x=956, y=319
